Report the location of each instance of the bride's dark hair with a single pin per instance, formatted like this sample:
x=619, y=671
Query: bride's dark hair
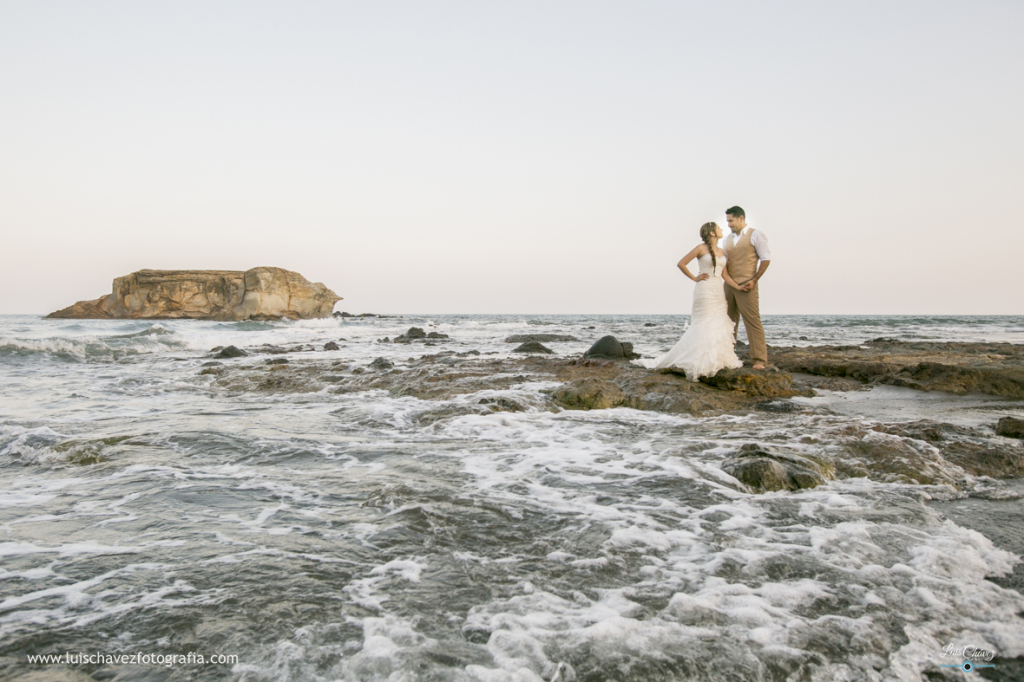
x=708, y=231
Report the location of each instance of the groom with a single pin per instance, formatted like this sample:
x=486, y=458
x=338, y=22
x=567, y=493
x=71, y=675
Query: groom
x=748, y=258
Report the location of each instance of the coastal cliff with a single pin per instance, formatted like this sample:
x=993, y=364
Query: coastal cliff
x=258, y=294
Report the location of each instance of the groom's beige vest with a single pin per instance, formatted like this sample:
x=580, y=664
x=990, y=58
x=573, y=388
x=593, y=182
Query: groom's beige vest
x=742, y=258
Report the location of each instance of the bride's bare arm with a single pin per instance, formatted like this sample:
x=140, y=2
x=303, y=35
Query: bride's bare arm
x=696, y=252
x=728, y=279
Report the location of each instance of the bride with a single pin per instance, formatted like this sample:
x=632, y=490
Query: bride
x=708, y=343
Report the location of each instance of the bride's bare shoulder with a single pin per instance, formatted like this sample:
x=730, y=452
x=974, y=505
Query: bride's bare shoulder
x=701, y=249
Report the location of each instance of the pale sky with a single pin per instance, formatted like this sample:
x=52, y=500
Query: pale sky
x=517, y=157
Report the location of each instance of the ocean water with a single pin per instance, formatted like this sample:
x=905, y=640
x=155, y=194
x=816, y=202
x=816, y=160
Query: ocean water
x=318, y=535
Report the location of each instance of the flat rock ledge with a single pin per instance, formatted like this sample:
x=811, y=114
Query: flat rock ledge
x=262, y=293
x=959, y=368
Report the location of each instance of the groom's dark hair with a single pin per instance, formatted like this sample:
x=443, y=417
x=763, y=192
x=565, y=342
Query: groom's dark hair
x=736, y=211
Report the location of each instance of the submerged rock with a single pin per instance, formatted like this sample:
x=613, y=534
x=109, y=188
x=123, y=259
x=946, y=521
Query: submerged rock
x=532, y=347
x=765, y=470
x=963, y=447
x=331, y=345
x=610, y=347
x=381, y=363
x=261, y=293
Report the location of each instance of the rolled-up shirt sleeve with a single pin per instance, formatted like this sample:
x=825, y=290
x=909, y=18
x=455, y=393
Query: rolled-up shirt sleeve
x=760, y=243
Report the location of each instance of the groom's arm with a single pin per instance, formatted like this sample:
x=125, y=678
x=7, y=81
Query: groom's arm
x=760, y=273
x=760, y=243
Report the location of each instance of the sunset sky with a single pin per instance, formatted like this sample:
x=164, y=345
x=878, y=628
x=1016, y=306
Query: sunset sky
x=527, y=157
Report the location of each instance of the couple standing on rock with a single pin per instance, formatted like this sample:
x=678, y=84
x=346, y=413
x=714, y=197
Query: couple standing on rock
x=726, y=291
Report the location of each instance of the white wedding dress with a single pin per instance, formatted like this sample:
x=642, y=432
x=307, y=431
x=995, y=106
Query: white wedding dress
x=708, y=344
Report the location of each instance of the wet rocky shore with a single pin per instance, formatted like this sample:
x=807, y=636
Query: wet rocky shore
x=467, y=382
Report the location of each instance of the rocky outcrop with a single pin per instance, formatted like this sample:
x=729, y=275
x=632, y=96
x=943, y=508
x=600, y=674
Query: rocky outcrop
x=257, y=294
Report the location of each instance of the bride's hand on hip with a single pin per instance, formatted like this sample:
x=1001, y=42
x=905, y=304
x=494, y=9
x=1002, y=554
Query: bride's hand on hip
x=701, y=277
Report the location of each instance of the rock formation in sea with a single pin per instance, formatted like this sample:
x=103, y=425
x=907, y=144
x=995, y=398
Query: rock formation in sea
x=262, y=293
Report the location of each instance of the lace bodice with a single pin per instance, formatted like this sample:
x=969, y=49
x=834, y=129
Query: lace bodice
x=704, y=265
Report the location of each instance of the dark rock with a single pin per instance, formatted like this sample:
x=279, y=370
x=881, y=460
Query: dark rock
x=1011, y=427
x=414, y=334
x=330, y=345
x=541, y=338
x=212, y=363
x=766, y=474
x=532, y=347
x=343, y=315
x=231, y=352
x=591, y=327
x=384, y=340
x=590, y=393
x=216, y=348
x=762, y=469
x=381, y=363
x=650, y=324
x=277, y=361
x=436, y=335
x=610, y=347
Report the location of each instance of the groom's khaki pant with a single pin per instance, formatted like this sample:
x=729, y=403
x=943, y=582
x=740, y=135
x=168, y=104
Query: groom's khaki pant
x=745, y=304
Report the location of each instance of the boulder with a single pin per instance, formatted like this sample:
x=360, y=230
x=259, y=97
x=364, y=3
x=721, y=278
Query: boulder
x=231, y=352
x=610, y=347
x=532, y=347
x=414, y=334
x=330, y=345
x=381, y=363
x=764, y=470
x=262, y=293
x=436, y=335
x=1011, y=427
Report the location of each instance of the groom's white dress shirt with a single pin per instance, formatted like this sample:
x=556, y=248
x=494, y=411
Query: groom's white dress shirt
x=757, y=240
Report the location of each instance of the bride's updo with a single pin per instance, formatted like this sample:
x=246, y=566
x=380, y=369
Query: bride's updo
x=708, y=234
